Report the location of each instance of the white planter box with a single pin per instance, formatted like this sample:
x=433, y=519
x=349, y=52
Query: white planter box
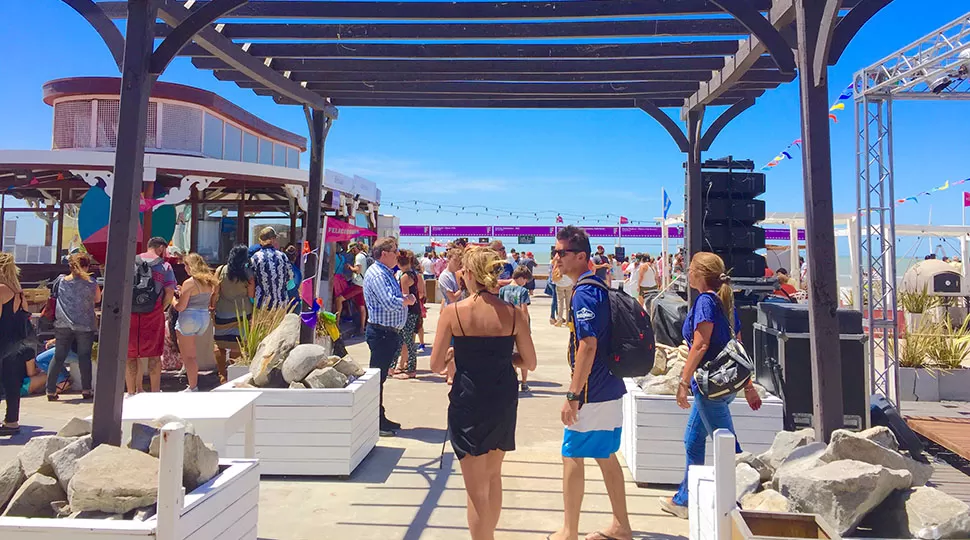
x=653, y=433
x=224, y=508
x=933, y=384
x=236, y=371
x=312, y=432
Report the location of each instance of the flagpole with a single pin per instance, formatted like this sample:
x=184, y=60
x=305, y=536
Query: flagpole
x=619, y=231
x=663, y=239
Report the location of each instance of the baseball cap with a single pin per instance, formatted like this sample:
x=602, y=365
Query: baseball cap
x=600, y=247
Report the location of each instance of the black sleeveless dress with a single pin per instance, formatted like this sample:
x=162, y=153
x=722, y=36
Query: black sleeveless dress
x=485, y=395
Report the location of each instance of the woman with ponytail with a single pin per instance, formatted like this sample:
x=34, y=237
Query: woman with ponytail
x=710, y=325
x=194, y=306
x=74, y=322
x=485, y=394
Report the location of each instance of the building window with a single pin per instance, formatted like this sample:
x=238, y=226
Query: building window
x=212, y=145
x=293, y=158
x=265, y=152
x=233, y=149
x=279, y=155
x=250, y=147
x=72, y=124
x=181, y=128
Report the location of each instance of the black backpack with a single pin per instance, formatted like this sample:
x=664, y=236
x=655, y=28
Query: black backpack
x=632, y=348
x=144, y=295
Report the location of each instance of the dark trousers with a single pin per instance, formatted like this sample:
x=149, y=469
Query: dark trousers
x=385, y=348
x=63, y=339
x=12, y=373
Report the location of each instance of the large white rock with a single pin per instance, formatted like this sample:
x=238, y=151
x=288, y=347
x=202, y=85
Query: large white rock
x=768, y=500
x=75, y=427
x=113, y=480
x=785, y=442
x=349, y=368
x=802, y=458
x=880, y=435
x=659, y=362
x=847, y=445
x=764, y=471
x=273, y=349
x=301, y=361
x=842, y=492
x=326, y=378
x=914, y=512
x=11, y=478
x=33, y=499
x=660, y=385
x=64, y=461
x=33, y=456
x=200, y=462
x=747, y=480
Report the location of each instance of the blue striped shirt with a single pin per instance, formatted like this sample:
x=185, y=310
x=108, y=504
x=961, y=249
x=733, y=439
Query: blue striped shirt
x=382, y=293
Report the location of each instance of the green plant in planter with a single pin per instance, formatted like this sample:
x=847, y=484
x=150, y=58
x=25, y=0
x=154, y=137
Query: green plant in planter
x=914, y=349
x=919, y=302
x=948, y=346
x=253, y=330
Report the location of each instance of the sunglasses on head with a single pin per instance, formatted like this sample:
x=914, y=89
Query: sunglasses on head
x=563, y=252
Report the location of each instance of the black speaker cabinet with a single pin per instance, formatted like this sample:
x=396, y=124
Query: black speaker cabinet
x=743, y=264
x=734, y=238
x=718, y=210
x=780, y=353
x=738, y=184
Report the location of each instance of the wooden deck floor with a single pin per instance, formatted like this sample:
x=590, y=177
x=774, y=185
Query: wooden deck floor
x=950, y=431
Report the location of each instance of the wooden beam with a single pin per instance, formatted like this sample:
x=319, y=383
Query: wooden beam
x=217, y=45
x=180, y=36
x=749, y=51
x=661, y=49
x=767, y=34
x=620, y=103
x=102, y=24
x=722, y=121
x=496, y=87
x=478, y=11
x=427, y=100
x=850, y=25
x=665, y=121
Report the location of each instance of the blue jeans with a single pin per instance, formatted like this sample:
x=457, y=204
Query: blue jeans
x=385, y=348
x=706, y=415
x=555, y=304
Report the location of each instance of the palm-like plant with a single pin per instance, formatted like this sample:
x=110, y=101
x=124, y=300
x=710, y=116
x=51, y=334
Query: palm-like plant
x=254, y=329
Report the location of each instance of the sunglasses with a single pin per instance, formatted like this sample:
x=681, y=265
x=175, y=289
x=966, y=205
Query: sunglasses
x=563, y=252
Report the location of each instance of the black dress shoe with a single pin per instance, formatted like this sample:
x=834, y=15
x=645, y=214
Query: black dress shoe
x=394, y=426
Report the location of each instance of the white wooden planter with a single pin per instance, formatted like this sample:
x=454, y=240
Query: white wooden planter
x=653, y=433
x=236, y=371
x=312, y=432
x=224, y=508
x=934, y=384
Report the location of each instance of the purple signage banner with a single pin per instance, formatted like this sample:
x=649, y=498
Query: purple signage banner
x=524, y=230
x=415, y=230
x=461, y=230
x=641, y=232
x=783, y=234
x=602, y=232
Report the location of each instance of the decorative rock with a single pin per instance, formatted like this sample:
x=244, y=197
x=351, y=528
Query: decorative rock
x=329, y=361
x=61, y=509
x=880, y=435
x=113, y=480
x=326, y=378
x=35, y=453
x=199, y=462
x=908, y=513
x=93, y=514
x=76, y=427
x=659, y=362
x=785, y=442
x=64, y=461
x=842, y=492
x=273, y=349
x=144, y=514
x=301, y=361
x=768, y=500
x=276, y=379
x=161, y=421
x=660, y=385
x=847, y=445
x=33, y=499
x=11, y=478
x=348, y=367
x=297, y=385
x=142, y=435
x=802, y=458
x=748, y=480
x=755, y=462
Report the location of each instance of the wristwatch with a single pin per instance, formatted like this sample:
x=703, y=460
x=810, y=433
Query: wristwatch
x=573, y=397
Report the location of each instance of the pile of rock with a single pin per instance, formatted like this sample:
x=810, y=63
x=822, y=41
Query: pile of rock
x=280, y=362
x=858, y=479
x=60, y=476
x=668, y=366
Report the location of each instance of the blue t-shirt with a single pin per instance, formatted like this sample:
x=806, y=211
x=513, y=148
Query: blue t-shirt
x=590, y=317
x=506, y=271
x=516, y=295
x=707, y=308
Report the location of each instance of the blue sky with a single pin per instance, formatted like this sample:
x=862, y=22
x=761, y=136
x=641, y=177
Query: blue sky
x=595, y=161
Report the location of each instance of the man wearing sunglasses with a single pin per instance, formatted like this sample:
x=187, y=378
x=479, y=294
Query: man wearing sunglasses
x=506, y=276
x=592, y=413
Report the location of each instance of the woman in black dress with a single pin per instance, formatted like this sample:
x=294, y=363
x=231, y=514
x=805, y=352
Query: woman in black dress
x=485, y=395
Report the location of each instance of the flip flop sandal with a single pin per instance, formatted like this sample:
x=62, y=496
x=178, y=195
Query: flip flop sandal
x=53, y=397
x=392, y=372
x=401, y=376
x=87, y=394
x=604, y=536
x=4, y=431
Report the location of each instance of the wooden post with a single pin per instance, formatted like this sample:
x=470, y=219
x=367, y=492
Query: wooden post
x=319, y=128
x=136, y=84
x=693, y=218
x=194, y=220
x=724, y=483
x=823, y=297
x=242, y=229
x=60, y=225
x=171, y=495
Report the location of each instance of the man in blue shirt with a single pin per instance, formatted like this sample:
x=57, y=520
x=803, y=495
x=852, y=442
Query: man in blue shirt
x=387, y=309
x=506, y=276
x=593, y=411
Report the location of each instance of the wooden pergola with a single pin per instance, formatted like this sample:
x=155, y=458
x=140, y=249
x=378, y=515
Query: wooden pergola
x=581, y=54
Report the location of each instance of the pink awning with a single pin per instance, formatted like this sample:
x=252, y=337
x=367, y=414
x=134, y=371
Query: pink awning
x=341, y=231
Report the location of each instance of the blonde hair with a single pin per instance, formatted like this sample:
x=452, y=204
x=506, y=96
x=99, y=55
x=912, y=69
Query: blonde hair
x=484, y=265
x=710, y=269
x=79, y=263
x=9, y=272
x=199, y=270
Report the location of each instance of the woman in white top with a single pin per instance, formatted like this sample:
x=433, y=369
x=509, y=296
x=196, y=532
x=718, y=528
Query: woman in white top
x=564, y=291
x=647, y=275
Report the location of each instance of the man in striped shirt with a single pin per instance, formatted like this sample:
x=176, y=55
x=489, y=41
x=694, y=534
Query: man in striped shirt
x=387, y=313
x=271, y=271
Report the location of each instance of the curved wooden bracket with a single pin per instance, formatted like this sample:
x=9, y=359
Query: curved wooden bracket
x=830, y=17
x=183, y=33
x=849, y=26
x=778, y=48
x=722, y=121
x=666, y=121
x=103, y=25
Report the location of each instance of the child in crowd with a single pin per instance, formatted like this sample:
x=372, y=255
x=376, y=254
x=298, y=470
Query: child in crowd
x=516, y=294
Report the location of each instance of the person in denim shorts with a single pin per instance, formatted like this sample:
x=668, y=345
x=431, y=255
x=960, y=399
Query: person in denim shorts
x=194, y=305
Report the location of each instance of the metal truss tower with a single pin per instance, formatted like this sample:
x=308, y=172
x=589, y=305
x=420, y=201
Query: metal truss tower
x=937, y=67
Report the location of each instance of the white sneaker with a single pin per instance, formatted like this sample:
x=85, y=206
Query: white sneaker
x=675, y=510
x=196, y=389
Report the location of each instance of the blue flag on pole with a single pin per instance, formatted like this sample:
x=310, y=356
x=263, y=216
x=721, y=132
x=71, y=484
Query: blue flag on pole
x=666, y=203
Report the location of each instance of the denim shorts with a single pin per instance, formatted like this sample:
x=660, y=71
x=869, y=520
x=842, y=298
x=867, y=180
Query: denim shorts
x=193, y=322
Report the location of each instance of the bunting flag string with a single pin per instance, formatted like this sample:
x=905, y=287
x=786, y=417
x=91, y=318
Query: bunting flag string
x=946, y=185
x=837, y=106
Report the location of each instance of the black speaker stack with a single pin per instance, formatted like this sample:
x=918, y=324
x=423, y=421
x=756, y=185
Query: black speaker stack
x=731, y=213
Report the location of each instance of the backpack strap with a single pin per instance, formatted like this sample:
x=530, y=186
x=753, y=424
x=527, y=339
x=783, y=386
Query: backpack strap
x=590, y=280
